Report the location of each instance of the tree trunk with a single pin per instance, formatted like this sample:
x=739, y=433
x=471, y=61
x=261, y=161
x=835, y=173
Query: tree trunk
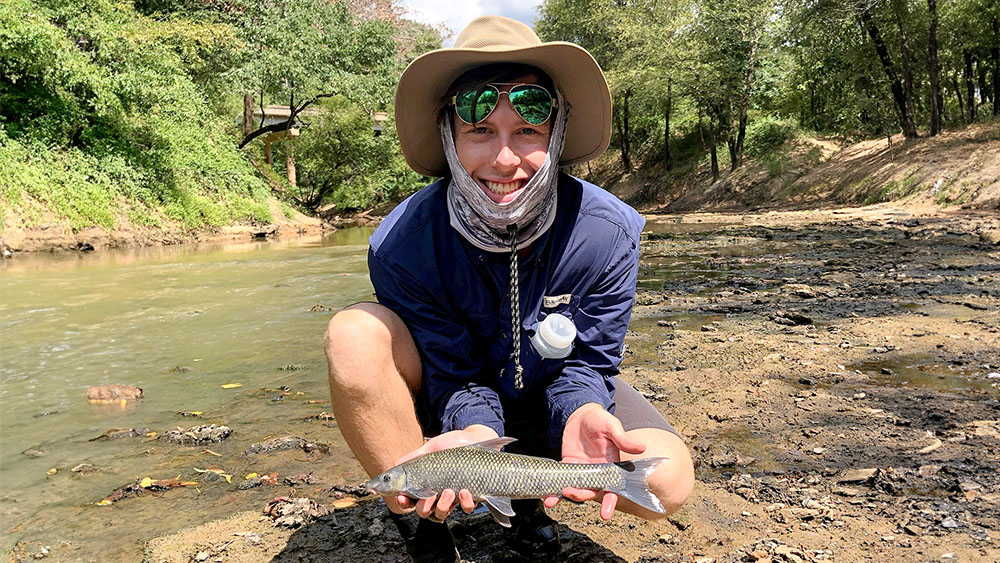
x=899, y=7
x=898, y=93
x=668, y=162
x=626, y=144
x=932, y=63
x=995, y=55
x=622, y=139
x=958, y=94
x=970, y=85
x=712, y=150
x=984, y=89
x=290, y=160
x=247, y=114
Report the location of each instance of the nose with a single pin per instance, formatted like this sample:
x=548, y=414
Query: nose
x=506, y=157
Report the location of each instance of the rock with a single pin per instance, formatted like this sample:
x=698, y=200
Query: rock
x=913, y=529
x=204, y=434
x=926, y=471
x=121, y=433
x=857, y=475
x=791, y=318
x=116, y=392
x=282, y=443
x=33, y=452
x=294, y=512
x=83, y=468
x=949, y=523
x=990, y=236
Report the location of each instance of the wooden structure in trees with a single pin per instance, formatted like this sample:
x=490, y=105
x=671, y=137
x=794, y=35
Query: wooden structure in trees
x=274, y=115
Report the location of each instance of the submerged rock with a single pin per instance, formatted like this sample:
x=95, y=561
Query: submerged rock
x=282, y=443
x=115, y=392
x=204, y=434
x=121, y=433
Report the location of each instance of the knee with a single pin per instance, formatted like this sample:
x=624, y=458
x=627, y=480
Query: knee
x=366, y=343
x=355, y=335
x=354, y=330
x=674, y=482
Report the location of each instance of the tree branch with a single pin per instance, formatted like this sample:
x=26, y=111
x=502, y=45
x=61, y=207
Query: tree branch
x=284, y=125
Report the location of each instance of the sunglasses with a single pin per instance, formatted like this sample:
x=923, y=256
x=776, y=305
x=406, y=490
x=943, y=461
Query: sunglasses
x=532, y=102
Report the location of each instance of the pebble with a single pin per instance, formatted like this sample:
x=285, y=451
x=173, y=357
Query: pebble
x=860, y=395
x=993, y=375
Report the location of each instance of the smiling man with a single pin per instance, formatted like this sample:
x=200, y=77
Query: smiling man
x=466, y=269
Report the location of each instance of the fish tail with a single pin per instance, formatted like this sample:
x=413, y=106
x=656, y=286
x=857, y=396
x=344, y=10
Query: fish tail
x=636, y=483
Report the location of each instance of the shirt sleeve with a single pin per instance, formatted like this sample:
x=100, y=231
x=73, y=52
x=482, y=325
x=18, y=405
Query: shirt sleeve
x=449, y=387
x=601, y=322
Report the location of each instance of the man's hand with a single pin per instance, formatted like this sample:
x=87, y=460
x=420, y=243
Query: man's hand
x=593, y=435
x=439, y=507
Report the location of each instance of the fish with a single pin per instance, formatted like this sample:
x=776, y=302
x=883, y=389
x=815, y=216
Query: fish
x=494, y=477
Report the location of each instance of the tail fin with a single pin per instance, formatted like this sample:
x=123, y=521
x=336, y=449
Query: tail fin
x=636, y=487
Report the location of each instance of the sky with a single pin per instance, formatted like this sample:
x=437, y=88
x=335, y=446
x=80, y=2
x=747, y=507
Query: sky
x=455, y=14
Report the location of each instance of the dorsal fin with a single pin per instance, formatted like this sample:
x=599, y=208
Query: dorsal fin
x=496, y=444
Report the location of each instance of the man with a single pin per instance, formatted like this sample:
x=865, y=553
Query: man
x=466, y=269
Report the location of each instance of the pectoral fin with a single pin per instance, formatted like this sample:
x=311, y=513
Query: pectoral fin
x=500, y=509
x=420, y=493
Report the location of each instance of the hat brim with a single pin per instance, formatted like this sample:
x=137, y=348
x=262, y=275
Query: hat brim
x=424, y=82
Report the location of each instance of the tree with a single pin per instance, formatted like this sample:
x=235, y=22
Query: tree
x=300, y=51
x=936, y=102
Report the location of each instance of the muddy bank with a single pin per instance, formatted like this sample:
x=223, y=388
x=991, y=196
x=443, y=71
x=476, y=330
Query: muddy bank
x=54, y=235
x=835, y=373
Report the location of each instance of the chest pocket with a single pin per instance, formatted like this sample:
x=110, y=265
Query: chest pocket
x=565, y=304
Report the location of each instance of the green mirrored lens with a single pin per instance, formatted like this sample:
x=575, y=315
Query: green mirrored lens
x=474, y=105
x=534, y=103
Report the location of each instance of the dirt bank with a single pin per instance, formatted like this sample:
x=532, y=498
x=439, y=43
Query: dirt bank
x=836, y=374
x=958, y=169
x=52, y=235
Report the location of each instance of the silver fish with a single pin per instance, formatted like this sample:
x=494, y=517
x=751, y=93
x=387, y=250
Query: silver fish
x=495, y=477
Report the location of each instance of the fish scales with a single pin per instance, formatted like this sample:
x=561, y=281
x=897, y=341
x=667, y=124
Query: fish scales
x=496, y=477
x=485, y=472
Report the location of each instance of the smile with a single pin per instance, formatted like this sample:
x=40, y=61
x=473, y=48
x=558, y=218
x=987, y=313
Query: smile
x=503, y=188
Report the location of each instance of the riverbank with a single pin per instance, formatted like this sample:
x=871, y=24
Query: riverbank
x=835, y=374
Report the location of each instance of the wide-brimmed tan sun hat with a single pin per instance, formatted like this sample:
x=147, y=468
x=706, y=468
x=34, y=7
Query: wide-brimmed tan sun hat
x=495, y=39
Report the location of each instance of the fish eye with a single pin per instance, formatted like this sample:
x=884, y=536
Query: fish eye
x=385, y=478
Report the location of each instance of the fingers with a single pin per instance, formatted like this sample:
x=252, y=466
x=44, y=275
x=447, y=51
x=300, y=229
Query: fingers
x=608, y=505
x=579, y=495
x=627, y=443
x=550, y=502
x=465, y=499
x=438, y=508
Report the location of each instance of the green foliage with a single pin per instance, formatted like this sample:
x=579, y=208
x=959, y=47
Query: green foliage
x=102, y=114
x=767, y=134
x=340, y=160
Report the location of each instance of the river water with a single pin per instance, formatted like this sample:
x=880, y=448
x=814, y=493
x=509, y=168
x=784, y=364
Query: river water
x=179, y=322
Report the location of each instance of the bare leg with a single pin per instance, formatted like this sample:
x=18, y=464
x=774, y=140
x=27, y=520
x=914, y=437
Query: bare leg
x=672, y=481
x=374, y=374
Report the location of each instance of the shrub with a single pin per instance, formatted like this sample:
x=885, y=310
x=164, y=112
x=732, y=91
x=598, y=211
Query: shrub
x=766, y=135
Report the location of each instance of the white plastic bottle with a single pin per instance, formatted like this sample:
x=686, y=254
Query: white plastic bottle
x=554, y=336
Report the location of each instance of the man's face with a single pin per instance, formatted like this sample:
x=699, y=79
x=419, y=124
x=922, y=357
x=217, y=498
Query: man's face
x=503, y=151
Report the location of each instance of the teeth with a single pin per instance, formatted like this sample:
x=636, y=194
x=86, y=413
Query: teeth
x=504, y=188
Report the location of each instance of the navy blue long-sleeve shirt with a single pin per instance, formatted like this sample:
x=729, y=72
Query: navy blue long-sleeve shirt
x=455, y=300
